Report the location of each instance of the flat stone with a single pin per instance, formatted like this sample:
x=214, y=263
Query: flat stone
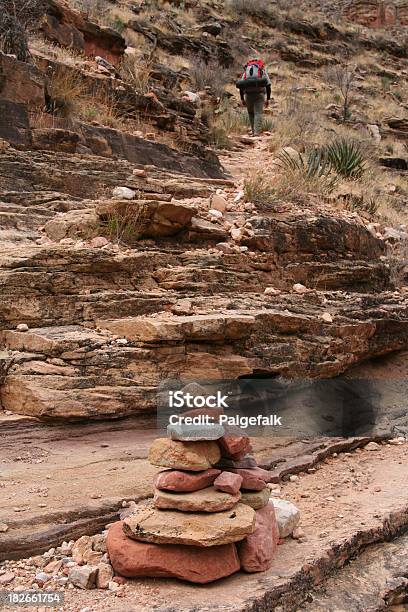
x=192, y=563
x=253, y=479
x=255, y=499
x=257, y=550
x=228, y=482
x=189, y=433
x=205, y=500
x=184, y=482
x=194, y=456
x=192, y=529
x=287, y=516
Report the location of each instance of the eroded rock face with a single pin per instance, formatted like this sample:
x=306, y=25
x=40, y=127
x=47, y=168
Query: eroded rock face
x=377, y=13
x=192, y=529
x=70, y=28
x=132, y=559
x=21, y=82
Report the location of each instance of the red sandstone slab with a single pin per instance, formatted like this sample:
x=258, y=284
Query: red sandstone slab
x=134, y=559
x=185, y=482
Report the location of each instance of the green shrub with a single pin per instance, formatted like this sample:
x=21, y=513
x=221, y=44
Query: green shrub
x=313, y=165
x=346, y=158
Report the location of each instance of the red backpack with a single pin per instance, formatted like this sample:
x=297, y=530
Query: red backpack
x=254, y=75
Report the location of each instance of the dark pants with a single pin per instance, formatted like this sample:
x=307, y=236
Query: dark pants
x=255, y=105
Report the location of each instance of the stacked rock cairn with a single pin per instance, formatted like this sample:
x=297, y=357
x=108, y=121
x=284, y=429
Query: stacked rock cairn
x=210, y=515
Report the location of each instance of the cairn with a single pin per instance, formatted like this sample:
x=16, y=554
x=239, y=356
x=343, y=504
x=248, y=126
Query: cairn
x=210, y=515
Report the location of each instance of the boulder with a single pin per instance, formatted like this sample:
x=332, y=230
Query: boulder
x=257, y=550
x=193, y=456
x=188, y=433
x=204, y=500
x=71, y=28
x=256, y=499
x=201, y=565
x=183, y=482
x=73, y=224
x=228, y=482
x=193, y=529
x=287, y=516
x=123, y=193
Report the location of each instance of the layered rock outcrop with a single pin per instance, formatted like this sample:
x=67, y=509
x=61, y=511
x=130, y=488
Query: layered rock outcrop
x=378, y=13
x=70, y=28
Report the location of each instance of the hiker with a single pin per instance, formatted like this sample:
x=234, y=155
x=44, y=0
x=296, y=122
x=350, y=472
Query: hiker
x=255, y=89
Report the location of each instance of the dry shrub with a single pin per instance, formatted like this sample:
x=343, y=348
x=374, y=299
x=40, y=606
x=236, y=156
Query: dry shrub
x=125, y=222
x=65, y=90
x=268, y=187
x=101, y=107
x=254, y=8
x=136, y=71
x=299, y=124
x=209, y=74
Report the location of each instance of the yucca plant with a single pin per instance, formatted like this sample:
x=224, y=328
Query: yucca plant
x=313, y=165
x=346, y=158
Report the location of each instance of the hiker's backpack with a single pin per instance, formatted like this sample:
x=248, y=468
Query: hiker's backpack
x=254, y=76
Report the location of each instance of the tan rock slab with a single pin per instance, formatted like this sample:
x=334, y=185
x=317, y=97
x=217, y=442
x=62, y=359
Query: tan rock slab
x=255, y=499
x=192, y=529
x=193, y=456
x=205, y=500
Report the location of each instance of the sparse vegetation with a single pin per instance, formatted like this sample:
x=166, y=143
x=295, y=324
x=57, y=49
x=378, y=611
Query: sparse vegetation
x=343, y=77
x=17, y=19
x=65, y=89
x=346, y=158
x=136, y=72
x=255, y=8
x=68, y=98
x=209, y=74
x=125, y=224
